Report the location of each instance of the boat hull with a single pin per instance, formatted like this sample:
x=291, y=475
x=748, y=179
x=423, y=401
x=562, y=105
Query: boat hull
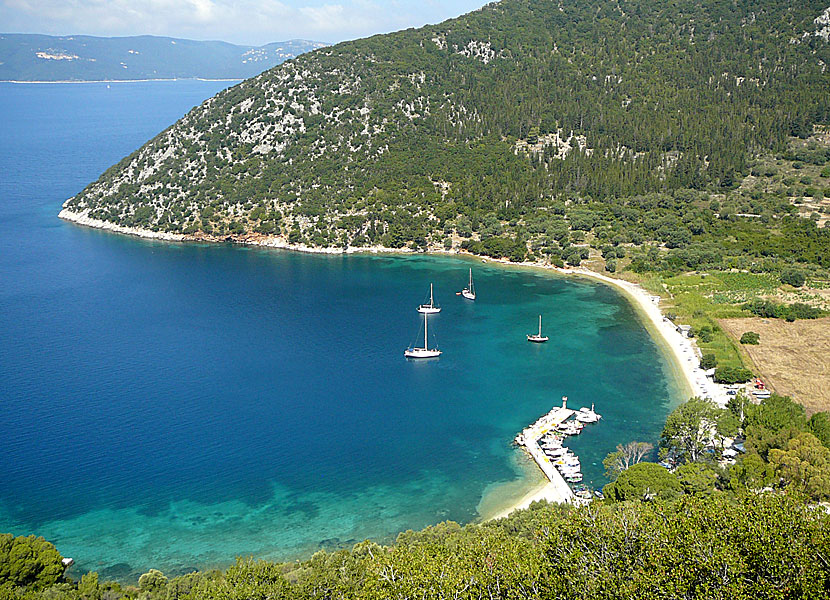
x=428, y=310
x=468, y=294
x=421, y=353
x=537, y=339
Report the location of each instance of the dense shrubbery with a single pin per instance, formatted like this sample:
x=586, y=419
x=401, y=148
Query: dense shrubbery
x=708, y=361
x=732, y=375
x=774, y=310
x=751, y=338
x=749, y=546
x=28, y=562
x=498, y=247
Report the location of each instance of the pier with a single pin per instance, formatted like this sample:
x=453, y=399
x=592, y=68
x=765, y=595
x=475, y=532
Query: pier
x=529, y=440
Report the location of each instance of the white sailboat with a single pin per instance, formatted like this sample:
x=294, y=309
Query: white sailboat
x=426, y=351
x=585, y=415
x=429, y=309
x=469, y=292
x=537, y=337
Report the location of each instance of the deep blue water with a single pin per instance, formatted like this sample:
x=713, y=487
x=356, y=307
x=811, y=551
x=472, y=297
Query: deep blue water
x=176, y=405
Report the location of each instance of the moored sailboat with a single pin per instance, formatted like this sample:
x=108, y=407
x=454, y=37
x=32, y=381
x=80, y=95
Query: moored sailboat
x=429, y=309
x=426, y=351
x=469, y=292
x=537, y=338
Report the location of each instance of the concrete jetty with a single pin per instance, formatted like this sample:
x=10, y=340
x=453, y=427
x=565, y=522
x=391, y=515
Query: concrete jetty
x=529, y=440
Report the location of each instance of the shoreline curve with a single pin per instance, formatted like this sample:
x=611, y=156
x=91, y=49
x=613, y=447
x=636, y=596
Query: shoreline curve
x=683, y=352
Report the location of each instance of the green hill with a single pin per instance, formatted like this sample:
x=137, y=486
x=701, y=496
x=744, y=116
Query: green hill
x=526, y=126
x=31, y=57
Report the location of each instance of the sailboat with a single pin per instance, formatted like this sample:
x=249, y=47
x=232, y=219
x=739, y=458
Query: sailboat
x=469, y=292
x=537, y=337
x=429, y=309
x=426, y=351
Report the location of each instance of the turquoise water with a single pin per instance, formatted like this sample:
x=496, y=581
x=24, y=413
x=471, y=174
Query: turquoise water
x=176, y=405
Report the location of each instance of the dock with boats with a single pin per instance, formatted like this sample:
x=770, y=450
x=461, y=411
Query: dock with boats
x=543, y=441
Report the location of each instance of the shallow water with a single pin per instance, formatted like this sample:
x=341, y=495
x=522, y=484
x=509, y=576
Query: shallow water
x=176, y=405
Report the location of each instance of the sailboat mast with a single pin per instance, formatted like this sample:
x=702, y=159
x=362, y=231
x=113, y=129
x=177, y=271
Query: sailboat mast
x=431, y=304
x=426, y=320
x=471, y=279
x=540, y=325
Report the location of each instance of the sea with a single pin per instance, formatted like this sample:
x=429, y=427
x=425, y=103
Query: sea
x=176, y=405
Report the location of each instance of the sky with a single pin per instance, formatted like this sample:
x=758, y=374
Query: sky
x=252, y=22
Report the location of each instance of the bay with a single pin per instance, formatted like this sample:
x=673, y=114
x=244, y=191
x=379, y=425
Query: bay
x=176, y=405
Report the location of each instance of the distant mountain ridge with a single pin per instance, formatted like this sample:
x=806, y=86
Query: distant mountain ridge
x=34, y=57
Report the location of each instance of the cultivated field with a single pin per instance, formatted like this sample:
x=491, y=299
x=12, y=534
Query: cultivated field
x=793, y=358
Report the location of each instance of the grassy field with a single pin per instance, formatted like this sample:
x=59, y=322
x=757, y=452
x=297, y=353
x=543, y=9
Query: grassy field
x=794, y=358
x=702, y=300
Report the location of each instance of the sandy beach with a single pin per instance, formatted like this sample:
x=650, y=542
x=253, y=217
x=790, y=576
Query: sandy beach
x=683, y=352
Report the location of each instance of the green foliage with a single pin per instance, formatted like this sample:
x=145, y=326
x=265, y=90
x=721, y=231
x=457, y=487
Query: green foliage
x=704, y=545
x=732, y=375
x=28, y=562
x=804, y=465
x=775, y=414
x=689, y=429
x=751, y=337
x=697, y=479
x=88, y=588
x=246, y=580
x=760, y=547
x=152, y=582
x=773, y=310
x=793, y=277
x=404, y=139
x=643, y=481
x=708, y=361
x=498, y=247
x=819, y=426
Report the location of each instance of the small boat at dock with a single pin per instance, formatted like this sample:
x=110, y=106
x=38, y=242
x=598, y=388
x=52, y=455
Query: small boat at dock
x=430, y=308
x=587, y=415
x=538, y=338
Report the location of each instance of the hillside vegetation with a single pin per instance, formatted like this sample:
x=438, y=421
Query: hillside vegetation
x=528, y=125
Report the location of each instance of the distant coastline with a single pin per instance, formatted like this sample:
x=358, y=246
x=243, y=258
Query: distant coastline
x=682, y=352
x=118, y=80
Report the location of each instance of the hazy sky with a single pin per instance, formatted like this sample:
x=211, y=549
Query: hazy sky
x=239, y=21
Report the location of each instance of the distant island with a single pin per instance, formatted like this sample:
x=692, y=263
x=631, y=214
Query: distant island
x=33, y=57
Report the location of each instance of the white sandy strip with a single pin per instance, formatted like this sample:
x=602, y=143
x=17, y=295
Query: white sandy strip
x=82, y=218
x=549, y=492
x=685, y=351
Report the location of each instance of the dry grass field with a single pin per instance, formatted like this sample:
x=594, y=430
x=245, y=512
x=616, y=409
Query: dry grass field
x=792, y=358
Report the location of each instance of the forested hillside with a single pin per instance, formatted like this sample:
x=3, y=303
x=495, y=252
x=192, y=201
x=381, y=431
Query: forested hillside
x=528, y=123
